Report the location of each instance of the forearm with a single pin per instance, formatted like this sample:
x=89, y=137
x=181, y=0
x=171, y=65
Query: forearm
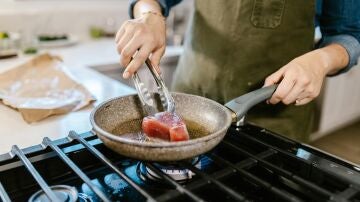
x=143, y=6
x=333, y=58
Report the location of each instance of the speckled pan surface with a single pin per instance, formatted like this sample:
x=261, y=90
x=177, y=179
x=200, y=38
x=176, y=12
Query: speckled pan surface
x=207, y=113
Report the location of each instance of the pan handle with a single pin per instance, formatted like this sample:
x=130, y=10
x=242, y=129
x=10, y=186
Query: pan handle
x=242, y=104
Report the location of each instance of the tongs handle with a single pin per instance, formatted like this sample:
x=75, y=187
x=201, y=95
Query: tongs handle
x=148, y=103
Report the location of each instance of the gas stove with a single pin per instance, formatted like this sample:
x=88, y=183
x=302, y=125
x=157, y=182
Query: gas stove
x=250, y=164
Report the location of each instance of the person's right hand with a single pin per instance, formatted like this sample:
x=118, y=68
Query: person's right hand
x=144, y=36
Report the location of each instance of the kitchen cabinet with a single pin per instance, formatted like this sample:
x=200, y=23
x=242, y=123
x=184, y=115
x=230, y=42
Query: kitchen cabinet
x=339, y=103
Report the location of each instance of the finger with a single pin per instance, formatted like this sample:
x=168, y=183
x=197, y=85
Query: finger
x=293, y=94
x=303, y=101
x=137, y=61
x=119, y=34
x=274, y=78
x=157, y=67
x=129, y=50
x=283, y=89
x=121, y=31
x=303, y=95
x=155, y=58
x=126, y=37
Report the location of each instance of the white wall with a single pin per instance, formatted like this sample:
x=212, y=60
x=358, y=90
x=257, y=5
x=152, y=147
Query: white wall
x=55, y=16
x=32, y=17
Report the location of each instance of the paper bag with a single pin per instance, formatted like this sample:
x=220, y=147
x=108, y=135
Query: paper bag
x=42, y=87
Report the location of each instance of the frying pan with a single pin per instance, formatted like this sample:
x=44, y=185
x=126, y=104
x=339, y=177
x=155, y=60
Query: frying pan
x=124, y=113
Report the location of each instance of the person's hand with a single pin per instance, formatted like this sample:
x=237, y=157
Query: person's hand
x=300, y=80
x=144, y=36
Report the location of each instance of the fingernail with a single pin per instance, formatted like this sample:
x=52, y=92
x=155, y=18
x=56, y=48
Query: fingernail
x=126, y=75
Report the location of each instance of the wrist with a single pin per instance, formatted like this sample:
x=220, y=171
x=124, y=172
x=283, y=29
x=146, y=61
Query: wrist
x=154, y=21
x=334, y=57
x=323, y=60
x=145, y=6
x=151, y=16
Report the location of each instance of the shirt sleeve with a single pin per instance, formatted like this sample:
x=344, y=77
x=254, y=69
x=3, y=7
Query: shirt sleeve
x=339, y=23
x=164, y=4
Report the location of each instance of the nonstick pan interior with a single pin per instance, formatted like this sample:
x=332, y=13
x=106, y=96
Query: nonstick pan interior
x=114, y=119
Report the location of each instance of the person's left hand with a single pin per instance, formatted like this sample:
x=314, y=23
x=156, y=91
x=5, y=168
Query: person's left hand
x=301, y=79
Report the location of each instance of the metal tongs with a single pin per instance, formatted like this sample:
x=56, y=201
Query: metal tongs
x=146, y=99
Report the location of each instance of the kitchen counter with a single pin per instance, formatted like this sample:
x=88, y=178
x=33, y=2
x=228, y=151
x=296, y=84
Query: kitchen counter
x=78, y=59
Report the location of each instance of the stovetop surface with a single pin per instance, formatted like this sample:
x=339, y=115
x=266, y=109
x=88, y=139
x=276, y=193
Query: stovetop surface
x=250, y=164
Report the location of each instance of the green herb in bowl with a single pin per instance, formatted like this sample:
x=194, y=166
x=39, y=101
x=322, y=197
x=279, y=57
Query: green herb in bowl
x=4, y=35
x=30, y=50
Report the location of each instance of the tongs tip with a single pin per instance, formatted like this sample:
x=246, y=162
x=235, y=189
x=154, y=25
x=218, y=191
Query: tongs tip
x=167, y=100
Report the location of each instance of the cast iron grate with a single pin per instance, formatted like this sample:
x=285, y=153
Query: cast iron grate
x=250, y=164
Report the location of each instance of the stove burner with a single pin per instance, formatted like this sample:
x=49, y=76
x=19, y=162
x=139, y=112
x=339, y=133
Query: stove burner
x=178, y=173
x=84, y=198
x=113, y=181
x=63, y=192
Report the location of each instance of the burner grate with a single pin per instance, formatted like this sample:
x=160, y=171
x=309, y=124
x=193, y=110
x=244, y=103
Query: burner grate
x=105, y=160
x=3, y=195
x=252, y=164
x=173, y=182
x=282, y=172
x=77, y=170
x=44, y=186
x=281, y=193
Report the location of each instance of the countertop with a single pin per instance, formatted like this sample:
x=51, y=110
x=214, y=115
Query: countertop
x=78, y=59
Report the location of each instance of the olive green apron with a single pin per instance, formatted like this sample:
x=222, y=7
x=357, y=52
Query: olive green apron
x=233, y=45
